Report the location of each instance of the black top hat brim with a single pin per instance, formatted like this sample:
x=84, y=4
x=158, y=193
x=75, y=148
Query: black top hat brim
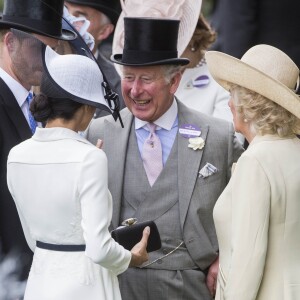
x=65, y=35
x=117, y=58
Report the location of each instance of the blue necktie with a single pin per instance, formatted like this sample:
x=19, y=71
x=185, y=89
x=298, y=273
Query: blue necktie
x=32, y=122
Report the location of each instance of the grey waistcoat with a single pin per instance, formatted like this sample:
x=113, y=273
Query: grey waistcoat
x=158, y=203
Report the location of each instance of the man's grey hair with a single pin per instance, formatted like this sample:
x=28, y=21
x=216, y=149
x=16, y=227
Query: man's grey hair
x=105, y=19
x=170, y=71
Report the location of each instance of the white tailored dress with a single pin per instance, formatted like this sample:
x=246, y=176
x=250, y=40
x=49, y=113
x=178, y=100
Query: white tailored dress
x=59, y=183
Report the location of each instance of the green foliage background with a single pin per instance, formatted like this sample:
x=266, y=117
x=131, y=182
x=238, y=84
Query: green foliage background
x=1, y=5
x=207, y=7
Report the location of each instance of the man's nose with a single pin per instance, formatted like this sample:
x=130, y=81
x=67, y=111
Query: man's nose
x=136, y=88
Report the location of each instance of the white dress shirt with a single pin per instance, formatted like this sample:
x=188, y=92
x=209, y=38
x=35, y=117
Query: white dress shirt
x=18, y=91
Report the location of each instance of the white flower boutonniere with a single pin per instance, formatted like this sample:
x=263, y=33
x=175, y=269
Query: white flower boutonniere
x=196, y=143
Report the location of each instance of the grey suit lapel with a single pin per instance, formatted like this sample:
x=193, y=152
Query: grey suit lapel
x=188, y=161
x=116, y=141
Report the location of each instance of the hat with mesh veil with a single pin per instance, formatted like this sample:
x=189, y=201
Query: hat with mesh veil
x=75, y=77
x=263, y=69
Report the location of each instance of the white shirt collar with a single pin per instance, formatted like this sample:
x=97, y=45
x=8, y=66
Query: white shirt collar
x=166, y=121
x=96, y=53
x=16, y=88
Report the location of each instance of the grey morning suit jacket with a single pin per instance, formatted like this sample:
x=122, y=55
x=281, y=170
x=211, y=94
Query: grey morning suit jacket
x=197, y=196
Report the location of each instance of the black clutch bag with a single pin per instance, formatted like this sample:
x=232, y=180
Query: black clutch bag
x=129, y=235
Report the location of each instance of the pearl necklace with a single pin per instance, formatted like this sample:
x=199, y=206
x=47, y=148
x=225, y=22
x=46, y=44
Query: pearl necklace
x=201, y=63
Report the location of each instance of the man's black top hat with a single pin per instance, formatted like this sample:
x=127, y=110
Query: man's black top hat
x=37, y=16
x=111, y=8
x=149, y=42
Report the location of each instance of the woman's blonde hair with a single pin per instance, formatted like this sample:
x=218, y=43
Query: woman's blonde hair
x=264, y=115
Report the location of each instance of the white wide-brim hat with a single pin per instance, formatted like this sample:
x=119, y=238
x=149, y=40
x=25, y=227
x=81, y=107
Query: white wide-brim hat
x=187, y=11
x=73, y=76
x=263, y=69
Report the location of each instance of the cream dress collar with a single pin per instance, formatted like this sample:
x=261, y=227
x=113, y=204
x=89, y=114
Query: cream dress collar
x=57, y=133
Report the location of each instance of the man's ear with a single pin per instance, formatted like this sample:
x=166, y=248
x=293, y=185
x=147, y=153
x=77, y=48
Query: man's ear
x=9, y=41
x=174, y=83
x=105, y=32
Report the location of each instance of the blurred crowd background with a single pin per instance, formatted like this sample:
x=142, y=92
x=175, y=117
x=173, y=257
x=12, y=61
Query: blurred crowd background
x=207, y=6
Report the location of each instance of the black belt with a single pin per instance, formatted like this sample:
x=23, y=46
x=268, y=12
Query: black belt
x=55, y=247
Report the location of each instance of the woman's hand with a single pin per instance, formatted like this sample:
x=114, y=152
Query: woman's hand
x=99, y=144
x=139, y=253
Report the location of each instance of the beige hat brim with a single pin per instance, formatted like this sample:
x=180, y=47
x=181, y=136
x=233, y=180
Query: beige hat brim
x=227, y=69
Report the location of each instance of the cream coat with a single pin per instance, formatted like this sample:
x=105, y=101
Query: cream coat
x=257, y=219
x=59, y=183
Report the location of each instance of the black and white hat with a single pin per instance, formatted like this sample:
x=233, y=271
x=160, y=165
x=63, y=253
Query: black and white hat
x=75, y=77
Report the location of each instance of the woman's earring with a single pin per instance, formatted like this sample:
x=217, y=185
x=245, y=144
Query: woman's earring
x=193, y=49
x=246, y=120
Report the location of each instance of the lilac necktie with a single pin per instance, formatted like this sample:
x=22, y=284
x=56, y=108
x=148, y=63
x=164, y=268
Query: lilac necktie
x=32, y=122
x=152, y=155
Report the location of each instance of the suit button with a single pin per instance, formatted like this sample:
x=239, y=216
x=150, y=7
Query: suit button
x=165, y=251
x=159, y=261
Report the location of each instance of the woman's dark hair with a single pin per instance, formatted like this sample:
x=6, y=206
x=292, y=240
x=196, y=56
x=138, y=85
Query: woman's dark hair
x=45, y=108
x=203, y=35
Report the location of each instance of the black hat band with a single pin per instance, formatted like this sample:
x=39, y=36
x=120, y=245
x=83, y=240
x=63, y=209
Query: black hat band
x=140, y=57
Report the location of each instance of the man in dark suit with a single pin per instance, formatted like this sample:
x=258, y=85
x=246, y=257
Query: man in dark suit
x=243, y=24
x=103, y=15
x=20, y=69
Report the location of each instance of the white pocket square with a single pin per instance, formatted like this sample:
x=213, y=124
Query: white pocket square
x=207, y=170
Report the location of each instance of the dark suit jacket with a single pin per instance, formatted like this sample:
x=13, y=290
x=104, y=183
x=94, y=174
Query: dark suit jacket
x=242, y=24
x=13, y=130
x=113, y=79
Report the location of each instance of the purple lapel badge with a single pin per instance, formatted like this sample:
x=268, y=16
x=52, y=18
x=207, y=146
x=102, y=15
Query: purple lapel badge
x=189, y=131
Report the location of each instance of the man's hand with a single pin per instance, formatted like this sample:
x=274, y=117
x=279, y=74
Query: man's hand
x=211, y=279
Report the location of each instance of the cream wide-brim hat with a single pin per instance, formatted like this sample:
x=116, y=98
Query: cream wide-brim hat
x=187, y=11
x=263, y=69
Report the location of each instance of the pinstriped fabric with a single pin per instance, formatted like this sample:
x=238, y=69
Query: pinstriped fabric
x=152, y=155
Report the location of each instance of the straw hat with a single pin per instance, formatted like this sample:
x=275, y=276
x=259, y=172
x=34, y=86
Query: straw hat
x=187, y=11
x=263, y=69
x=72, y=76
